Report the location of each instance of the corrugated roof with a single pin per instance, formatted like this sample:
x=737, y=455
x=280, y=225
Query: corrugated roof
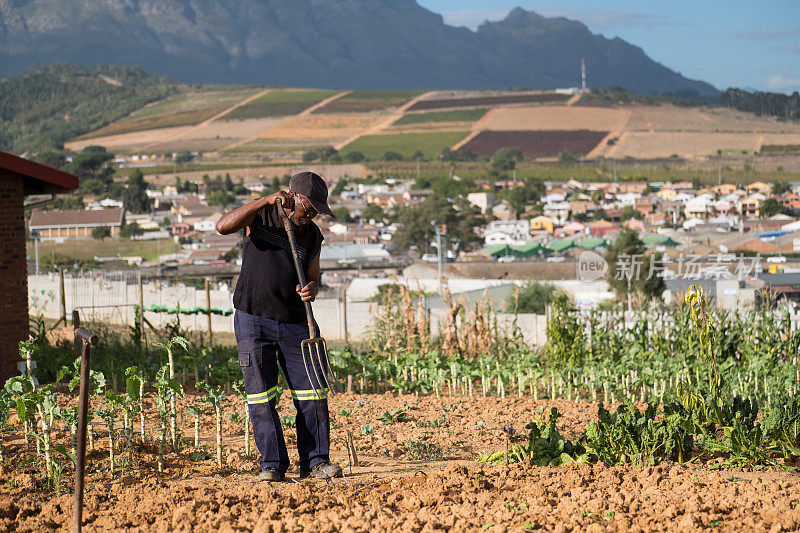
x=560, y=245
x=76, y=218
x=590, y=243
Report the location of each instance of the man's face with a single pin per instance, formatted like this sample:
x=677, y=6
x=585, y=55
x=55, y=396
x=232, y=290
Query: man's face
x=303, y=212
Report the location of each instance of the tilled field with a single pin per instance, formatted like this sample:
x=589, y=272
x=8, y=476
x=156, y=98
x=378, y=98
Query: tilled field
x=392, y=491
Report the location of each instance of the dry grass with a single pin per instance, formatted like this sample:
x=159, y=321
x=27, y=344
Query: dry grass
x=556, y=118
x=712, y=120
x=126, y=142
x=682, y=144
x=327, y=126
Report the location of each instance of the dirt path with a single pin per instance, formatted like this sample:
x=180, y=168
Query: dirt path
x=618, y=132
x=206, y=122
x=382, y=125
x=574, y=99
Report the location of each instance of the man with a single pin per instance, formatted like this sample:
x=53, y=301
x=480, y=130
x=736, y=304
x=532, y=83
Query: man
x=270, y=322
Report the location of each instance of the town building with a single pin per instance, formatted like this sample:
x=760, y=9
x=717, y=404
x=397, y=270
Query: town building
x=59, y=224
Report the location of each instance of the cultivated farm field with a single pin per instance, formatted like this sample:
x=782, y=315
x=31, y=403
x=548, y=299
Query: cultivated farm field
x=556, y=118
x=437, y=102
x=683, y=144
x=321, y=129
x=406, y=144
x=535, y=143
x=185, y=109
x=280, y=103
x=368, y=101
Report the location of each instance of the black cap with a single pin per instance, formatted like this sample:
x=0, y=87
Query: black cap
x=313, y=187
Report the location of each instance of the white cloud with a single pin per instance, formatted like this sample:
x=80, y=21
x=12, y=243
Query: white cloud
x=783, y=83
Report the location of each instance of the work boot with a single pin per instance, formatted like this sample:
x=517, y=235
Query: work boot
x=322, y=471
x=270, y=474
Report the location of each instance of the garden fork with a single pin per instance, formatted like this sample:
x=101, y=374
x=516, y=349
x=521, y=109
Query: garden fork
x=315, y=346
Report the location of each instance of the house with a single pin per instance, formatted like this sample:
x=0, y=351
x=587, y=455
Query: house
x=19, y=178
x=725, y=188
x=637, y=187
x=634, y=224
x=75, y=223
x=504, y=211
x=628, y=198
x=644, y=205
x=750, y=206
x=667, y=194
x=698, y=207
x=180, y=228
x=759, y=187
x=557, y=211
x=542, y=224
x=516, y=229
x=482, y=200
x=601, y=228
x=415, y=196
x=573, y=227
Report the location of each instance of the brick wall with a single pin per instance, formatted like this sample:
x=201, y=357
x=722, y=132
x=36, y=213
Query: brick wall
x=13, y=274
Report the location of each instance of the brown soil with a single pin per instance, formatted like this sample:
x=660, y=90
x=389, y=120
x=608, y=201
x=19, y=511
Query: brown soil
x=389, y=491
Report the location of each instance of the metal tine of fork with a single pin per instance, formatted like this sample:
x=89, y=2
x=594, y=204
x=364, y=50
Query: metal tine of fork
x=314, y=387
x=319, y=369
x=338, y=386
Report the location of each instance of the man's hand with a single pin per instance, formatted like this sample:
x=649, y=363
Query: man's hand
x=286, y=199
x=309, y=292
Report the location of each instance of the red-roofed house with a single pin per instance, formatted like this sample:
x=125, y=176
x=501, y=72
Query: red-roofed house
x=19, y=178
x=601, y=227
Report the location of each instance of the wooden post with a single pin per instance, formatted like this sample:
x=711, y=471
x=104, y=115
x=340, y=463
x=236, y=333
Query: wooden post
x=63, y=294
x=141, y=314
x=208, y=313
x=83, y=339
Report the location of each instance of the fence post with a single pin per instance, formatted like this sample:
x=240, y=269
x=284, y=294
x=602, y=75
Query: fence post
x=83, y=339
x=344, y=314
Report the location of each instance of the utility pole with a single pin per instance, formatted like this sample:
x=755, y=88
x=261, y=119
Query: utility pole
x=440, y=233
x=36, y=249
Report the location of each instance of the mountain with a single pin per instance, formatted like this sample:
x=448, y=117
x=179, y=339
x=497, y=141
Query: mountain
x=361, y=44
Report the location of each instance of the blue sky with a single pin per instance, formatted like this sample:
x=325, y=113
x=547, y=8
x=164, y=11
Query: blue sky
x=728, y=43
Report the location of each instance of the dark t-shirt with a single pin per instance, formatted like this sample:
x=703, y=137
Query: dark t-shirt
x=267, y=281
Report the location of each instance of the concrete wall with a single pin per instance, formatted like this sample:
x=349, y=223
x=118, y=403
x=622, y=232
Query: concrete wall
x=113, y=300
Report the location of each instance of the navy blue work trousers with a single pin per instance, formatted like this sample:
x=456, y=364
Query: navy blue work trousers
x=263, y=344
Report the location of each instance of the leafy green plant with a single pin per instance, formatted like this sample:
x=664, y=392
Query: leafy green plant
x=167, y=389
x=421, y=450
x=393, y=416
x=215, y=397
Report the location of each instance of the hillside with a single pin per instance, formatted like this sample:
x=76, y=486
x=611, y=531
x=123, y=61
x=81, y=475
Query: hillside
x=336, y=44
x=285, y=125
x=48, y=105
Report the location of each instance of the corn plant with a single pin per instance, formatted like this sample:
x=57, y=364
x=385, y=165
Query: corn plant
x=167, y=389
x=134, y=385
x=196, y=411
x=215, y=397
x=5, y=409
x=238, y=386
x=112, y=403
x=169, y=347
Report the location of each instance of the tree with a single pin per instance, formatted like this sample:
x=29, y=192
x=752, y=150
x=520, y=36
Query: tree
x=135, y=196
x=131, y=230
x=92, y=162
x=770, y=207
x=534, y=297
x=310, y=156
x=339, y=187
x=101, y=232
x=417, y=224
x=92, y=186
x=372, y=212
x=629, y=212
x=228, y=183
x=391, y=156
x=182, y=157
x=219, y=197
x=354, y=157
x=629, y=267
x=341, y=214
